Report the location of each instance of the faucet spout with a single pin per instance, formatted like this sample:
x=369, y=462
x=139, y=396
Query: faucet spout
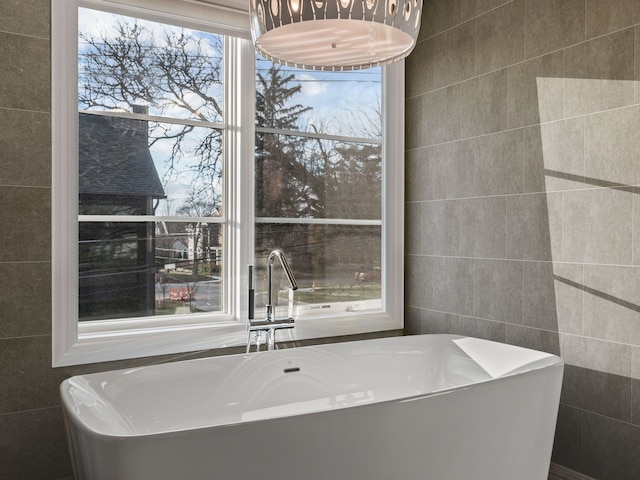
x=277, y=253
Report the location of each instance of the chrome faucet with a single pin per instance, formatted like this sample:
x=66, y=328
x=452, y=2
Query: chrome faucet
x=271, y=324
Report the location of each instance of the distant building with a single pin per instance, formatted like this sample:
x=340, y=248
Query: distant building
x=117, y=176
x=179, y=249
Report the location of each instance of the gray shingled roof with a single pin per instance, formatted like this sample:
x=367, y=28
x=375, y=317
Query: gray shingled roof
x=115, y=158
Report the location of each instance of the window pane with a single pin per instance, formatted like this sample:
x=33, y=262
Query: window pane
x=328, y=172
x=127, y=62
x=301, y=177
x=135, y=167
x=333, y=103
x=333, y=264
x=190, y=165
x=147, y=268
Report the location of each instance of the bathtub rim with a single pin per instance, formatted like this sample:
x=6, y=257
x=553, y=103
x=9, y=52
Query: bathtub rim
x=549, y=361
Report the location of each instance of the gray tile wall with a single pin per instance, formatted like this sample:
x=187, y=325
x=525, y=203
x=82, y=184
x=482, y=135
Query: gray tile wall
x=32, y=437
x=522, y=223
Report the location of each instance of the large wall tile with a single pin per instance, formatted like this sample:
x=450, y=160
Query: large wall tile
x=534, y=338
x=608, y=357
x=419, y=174
x=637, y=66
x=554, y=213
x=499, y=163
x=453, y=170
x=535, y=90
x=25, y=218
x=552, y=25
x=25, y=148
x=413, y=214
x=636, y=226
x=483, y=227
x=473, y=8
x=599, y=74
x=569, y=297
x=609, y=451
x=635, y=401
x=562, y=148
x=481, y=328
x=419, y=71
x=430, y=321
x=453, y=285
x=597, y=226
x=439, y=15
x=534, y=174
x=612, y=303
x=413, y=123
x=497, y=290
x=606, y=16
x=484, y=104
x=412, y=320
x=567, y=445
x=26, y=17
x=25, y=302
x=612, y=147
x=28, y=380
x=597, y=392
x=419, y=276
x=25, y=73
x=500, y=37
x=539, y=303
x=534, y=226
x=441, y=228
x=441, y=112
x=34, y=446
x=591, y=95
x=455, y=55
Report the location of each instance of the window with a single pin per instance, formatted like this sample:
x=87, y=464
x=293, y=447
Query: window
x=180, y=158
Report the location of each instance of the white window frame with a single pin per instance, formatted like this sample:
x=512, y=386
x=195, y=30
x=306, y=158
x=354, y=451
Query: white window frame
x=100, y=341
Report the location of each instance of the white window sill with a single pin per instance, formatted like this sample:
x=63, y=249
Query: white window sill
x=91, y=347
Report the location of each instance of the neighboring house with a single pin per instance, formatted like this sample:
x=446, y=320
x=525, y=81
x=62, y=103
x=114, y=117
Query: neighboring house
x=204, y=242
x=117, y=176
x=179, y=249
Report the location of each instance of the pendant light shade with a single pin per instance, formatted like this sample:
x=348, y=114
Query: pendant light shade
x=335, y=34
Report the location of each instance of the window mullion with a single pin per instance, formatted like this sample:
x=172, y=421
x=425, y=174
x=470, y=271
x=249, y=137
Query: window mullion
x=240, y=74
x=320, y=136
x=155, y=118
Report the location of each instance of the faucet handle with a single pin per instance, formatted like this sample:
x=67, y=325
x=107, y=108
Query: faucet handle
x=257, y=335
x=283, y=323
x=268, y=326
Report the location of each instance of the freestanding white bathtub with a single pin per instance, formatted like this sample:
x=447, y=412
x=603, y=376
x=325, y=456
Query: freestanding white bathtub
x=428, y=407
